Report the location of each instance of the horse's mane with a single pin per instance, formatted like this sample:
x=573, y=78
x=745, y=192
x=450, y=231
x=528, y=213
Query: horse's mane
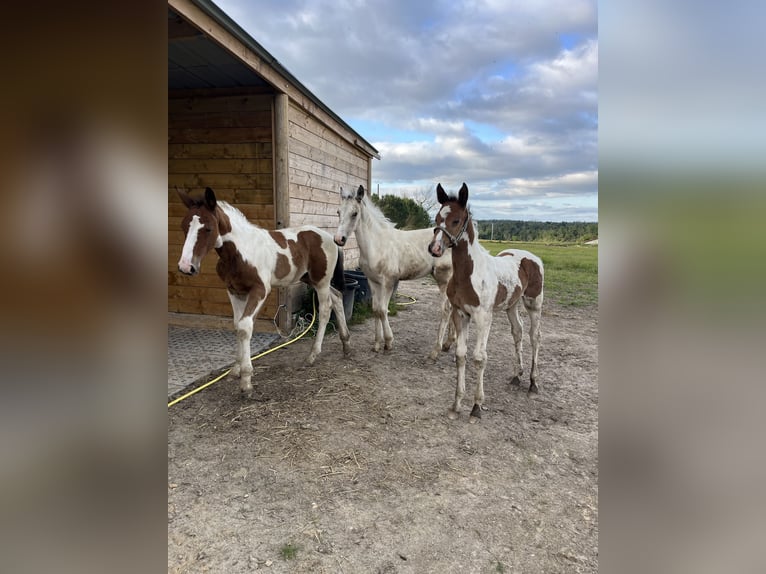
x=235, y=213
x=376, y=213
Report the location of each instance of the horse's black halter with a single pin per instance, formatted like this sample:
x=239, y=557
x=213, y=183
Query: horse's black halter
x=455, y=238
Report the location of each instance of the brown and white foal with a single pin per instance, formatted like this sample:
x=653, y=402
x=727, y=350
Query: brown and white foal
x=481, y=283
x=253, y=260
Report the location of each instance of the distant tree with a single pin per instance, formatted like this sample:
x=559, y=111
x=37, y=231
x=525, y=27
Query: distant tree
x=425, y=197
x=404, y=212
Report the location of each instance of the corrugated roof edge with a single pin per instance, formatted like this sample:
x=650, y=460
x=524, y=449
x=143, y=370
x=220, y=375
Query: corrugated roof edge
x=236, y=30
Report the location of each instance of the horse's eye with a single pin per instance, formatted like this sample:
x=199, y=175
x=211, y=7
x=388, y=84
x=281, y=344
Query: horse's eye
x=353, y=215
x=339, y=213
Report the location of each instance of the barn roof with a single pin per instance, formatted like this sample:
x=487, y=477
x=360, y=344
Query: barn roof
x=197, y=61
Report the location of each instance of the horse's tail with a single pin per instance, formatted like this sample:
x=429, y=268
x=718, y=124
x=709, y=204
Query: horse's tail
x=338, y=280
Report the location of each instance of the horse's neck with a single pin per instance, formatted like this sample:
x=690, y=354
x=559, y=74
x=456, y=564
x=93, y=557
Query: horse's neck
x=371, y=232
x=467, y=249
x=242, y=231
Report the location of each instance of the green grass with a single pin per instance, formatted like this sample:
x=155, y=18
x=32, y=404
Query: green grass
x=288, y=551
x=363, y=311
x=571, y=271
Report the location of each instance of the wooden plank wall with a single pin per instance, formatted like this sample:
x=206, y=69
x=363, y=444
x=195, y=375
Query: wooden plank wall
x=320, y=163
x=224, y=142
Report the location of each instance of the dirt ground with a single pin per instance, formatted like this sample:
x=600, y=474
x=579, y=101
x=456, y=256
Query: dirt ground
x=352, y=466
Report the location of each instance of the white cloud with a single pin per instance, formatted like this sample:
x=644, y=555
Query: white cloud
x=442, y=70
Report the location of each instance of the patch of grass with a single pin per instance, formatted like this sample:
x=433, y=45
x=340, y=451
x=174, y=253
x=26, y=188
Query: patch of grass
x=363, y=311
x=288, y=551
x=500, y=567
x=571, y=271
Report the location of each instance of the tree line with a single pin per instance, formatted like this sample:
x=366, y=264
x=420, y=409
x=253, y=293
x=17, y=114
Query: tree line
x=544, y=231
x=407, y=213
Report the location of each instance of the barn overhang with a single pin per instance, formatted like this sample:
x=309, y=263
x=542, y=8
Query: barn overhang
x=207, y=51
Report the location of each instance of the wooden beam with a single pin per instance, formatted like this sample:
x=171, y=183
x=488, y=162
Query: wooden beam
x=282, y=190
x=214, y=30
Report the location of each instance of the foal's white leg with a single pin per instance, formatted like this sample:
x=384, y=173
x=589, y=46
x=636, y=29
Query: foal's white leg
x=442, y=276
x=444, y=323
x=534, y=307
x=461, y=323
x=238, y=309
x=243, y=367
x=483, y=322
x=517, y=330
x=340, y=314
x=381, y=295
x=325, y=303
x=244, y=334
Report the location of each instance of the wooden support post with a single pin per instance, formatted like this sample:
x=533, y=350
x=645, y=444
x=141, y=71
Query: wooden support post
x=282, y=190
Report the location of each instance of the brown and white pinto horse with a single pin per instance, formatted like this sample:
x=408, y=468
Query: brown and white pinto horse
x=482, y=283
x=253, y=260
x=387, y=255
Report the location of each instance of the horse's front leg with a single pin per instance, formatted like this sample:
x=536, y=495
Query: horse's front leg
x=381, y=295
x=483, y=324
x=461, y=322
x=246, y=309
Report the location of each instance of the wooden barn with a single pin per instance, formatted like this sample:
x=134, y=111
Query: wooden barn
x=240, y=123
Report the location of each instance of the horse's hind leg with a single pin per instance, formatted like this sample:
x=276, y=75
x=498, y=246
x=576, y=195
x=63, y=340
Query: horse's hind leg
x=325, y=303
x=534, y=308
x=340, y=314
x=518, y=331
x=445, y=324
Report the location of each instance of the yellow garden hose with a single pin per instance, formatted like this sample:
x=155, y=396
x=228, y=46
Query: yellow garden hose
x=258, y=356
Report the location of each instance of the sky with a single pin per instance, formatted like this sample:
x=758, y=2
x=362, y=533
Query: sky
x=499, y=94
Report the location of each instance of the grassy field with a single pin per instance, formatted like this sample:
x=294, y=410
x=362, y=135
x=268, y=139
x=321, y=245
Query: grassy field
x=571, y=271
x=571, y=275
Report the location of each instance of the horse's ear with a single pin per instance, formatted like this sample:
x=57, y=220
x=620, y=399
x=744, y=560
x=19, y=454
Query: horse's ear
x=188, y=201
x=210, y=200
x=359, y=193
x=462, y=195
x=441, y=195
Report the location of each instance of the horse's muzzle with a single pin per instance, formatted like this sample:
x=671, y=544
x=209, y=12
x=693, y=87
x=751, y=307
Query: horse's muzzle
x=340, y=241
x=192, y=270
x=435, y=248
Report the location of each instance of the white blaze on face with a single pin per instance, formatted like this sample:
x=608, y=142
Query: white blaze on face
x=187, y=254
x=347, y=222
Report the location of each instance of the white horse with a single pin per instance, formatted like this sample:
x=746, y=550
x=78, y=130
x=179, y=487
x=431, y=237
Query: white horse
x=387, y=255
x=253, y=260
x=480, y=284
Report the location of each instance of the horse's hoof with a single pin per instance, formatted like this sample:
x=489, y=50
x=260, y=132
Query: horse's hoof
x=452, y=415
x=475, y=413
x=516, y=382
x=534, y=389
x=473, y=420
x=446, y=347
x=433, y=355
x=310, y=360
x=246, y=393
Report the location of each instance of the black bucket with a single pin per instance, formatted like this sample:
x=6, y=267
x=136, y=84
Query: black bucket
x=363, y=293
